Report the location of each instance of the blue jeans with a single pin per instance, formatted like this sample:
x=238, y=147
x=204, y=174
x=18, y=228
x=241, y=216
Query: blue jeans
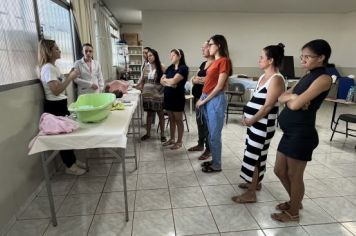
x=214, y=112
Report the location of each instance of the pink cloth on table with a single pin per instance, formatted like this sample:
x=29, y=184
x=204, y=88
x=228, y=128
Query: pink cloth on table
x=51, y=124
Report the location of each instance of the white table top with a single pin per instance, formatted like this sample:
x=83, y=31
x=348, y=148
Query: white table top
x=108, y=133
x=341, y=101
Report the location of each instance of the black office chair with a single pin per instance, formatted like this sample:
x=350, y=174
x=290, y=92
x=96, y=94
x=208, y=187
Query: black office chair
x=236, y=103
x=348, y=118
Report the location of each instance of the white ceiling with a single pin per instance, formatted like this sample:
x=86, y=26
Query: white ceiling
x=130, y=11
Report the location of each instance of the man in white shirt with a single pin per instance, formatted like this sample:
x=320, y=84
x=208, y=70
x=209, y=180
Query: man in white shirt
x=90, y=79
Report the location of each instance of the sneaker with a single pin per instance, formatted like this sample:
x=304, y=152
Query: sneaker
x=81, y=164
x=74, y=170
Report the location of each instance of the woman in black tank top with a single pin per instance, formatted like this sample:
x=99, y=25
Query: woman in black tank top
x=297, y=121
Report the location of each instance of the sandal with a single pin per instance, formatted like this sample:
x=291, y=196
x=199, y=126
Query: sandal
x=206, y=163
x=169, y=142
x=284, y=206
x=145, y=137
x=241, y=200
x=196, y=149
x=176, y=146
x=210, y=169
x=163, y=139
x=284, y=216
x=246, y=185
x=204, y=156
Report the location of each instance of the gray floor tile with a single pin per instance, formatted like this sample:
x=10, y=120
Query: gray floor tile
x=79, y=204
x=114, y=183
x=187, y=197
x=197, y=220
x=295, y=231
x=233, y=218
x=39, y=208
x=152, y=181
x=219, y=194
x=327, y=230
x=182, y=179
x=111, y=224
x=155, y=199
x=115, y=202
x=28, y=227
x=158, y=223
x=76, y=225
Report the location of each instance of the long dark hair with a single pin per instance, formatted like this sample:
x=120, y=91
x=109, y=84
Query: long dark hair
x=319, y=47
x=158, y=64
x=221, y=42
x=180, y=53
x=275, y=52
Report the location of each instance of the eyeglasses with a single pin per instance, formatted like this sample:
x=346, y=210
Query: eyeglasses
x=307, y=57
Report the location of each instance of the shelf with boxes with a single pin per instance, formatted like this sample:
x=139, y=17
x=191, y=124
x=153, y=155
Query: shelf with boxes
x=135, y=61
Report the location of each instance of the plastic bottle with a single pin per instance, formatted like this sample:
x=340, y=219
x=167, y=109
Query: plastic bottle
x=350, y=94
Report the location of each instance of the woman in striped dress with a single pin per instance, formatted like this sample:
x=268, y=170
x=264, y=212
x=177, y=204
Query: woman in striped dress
x=260, y=115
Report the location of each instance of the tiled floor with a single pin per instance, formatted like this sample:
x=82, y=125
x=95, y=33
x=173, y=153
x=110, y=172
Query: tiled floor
x=169, y=195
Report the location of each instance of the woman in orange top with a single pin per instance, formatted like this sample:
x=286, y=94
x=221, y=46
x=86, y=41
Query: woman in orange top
x=213, y=100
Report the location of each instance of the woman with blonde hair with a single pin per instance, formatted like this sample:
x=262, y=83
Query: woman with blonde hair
x=54, y=85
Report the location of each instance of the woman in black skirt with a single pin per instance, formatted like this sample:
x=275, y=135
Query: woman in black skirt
x=297, y=121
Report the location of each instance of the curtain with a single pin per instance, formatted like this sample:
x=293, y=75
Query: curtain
x=103, y=41
x=84, y=20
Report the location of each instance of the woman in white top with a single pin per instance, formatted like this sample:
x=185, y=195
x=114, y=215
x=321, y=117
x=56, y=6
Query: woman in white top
x=54, y=85
x=90, y=79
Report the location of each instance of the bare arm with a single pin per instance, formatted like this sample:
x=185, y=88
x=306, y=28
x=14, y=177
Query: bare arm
x=174, y=81
x=163, y=80
x=198, y=80
x=276, y=88
x=57, y=87
x=219, y=87
x=286, y=96
x=320, y=85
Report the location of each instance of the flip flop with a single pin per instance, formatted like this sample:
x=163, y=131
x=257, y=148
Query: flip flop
x=284, y=206
x=145, y=137
x=204, y=156
x=196, y=149
x=209, y=169
x=284, y=216
x=206, y=163
x=246, y=185
x=169, y=142
x=240, y=200
x=176, y=146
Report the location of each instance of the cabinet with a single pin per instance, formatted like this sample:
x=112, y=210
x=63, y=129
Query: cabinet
x=135, y=61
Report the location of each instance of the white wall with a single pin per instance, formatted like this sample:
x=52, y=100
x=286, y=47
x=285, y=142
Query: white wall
x=247, y=34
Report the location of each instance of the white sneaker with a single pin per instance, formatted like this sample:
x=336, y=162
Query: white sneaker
x=81, y=164
x=74, y=170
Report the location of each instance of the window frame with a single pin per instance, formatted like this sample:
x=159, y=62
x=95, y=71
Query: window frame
x=62, y=3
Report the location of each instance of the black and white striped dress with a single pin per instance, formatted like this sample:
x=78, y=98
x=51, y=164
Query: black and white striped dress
x=260, y=134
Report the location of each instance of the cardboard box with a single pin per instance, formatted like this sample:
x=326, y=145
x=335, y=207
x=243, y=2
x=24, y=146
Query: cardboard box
x=131, y=39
